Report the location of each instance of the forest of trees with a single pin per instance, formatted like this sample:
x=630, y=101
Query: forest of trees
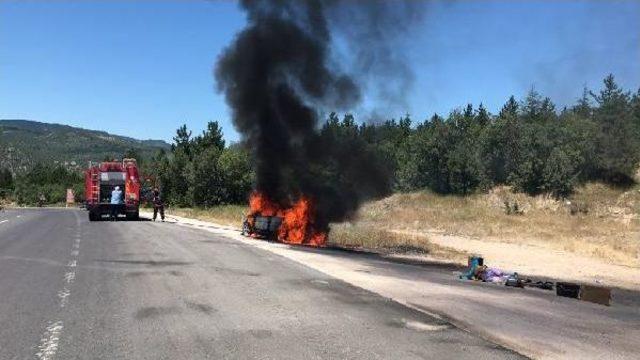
x=200, y=171
x=529, y=145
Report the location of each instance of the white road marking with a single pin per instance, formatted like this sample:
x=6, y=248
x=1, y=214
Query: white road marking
x=69, y=276
x=63, y=295
x=3, y=221
x=49, y=343
x=420, y=326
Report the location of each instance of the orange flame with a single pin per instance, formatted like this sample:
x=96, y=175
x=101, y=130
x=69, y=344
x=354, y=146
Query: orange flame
x=297, y=221
x=260, y=204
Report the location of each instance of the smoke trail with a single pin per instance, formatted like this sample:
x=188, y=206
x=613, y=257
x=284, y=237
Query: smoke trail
x=278, y=73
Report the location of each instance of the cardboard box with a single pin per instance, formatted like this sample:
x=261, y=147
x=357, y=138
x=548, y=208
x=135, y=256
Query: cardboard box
x=595, y=294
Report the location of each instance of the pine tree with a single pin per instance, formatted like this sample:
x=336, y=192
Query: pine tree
x=482, y=117
x=510, y=109
x=182, y=140
x=532, y=106
x=635, y=104
x=618, y=146
x=212, y=137
x=583, y=107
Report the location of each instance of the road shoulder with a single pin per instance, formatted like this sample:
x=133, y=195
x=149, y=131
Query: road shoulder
x=534, y=323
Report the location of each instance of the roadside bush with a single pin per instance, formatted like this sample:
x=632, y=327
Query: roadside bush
x=204, y=179
x=234, y=165
x=51, y=181
x=201, y=172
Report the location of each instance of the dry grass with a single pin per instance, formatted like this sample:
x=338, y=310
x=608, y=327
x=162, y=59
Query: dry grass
x=387, y=241
x=229, y=215
x=605, y=225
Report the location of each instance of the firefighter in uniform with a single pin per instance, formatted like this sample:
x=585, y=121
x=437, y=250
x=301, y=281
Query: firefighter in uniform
x=158, y=205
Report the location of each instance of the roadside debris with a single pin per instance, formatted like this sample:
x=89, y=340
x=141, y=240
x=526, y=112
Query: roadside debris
x=595, y=294
x=569, y=290
x=478, y=271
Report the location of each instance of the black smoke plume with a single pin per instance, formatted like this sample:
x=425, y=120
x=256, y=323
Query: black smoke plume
x=279, y=73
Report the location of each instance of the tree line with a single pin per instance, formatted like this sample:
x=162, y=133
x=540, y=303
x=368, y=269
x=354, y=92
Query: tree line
x=49, y=181
x=529, y=145
x=201, y=171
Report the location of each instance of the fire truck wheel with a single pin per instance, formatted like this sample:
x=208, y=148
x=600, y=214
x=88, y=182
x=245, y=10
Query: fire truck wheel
x=92, y=216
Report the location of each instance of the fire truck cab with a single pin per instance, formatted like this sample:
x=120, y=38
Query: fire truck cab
x=101, y=179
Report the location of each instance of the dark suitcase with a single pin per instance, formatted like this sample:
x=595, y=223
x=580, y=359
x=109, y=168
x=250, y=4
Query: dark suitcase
x=567, y=289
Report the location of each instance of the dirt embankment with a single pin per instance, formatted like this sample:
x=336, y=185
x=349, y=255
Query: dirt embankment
x=594, y=236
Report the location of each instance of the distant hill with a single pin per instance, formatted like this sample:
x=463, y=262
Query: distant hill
x=24, y=143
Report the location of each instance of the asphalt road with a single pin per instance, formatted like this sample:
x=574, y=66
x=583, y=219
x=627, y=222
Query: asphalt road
x=71, y=289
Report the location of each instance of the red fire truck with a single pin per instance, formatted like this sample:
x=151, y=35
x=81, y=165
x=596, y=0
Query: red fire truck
x=100, y=180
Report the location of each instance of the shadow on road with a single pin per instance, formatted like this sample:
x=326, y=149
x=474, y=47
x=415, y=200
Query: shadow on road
x=147, y=262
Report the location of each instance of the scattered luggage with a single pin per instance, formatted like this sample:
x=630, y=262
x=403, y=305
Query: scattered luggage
x=544, y=285
x=567, y=289
x=478, y=259
x=595, y=294
x=514, y=280
x=476, y=270
x=473, y=263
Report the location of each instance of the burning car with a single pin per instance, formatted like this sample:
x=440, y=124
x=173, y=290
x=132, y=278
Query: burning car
x=293, y=224
x=264, y=227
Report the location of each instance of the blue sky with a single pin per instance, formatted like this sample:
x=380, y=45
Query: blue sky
x=142, y=68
